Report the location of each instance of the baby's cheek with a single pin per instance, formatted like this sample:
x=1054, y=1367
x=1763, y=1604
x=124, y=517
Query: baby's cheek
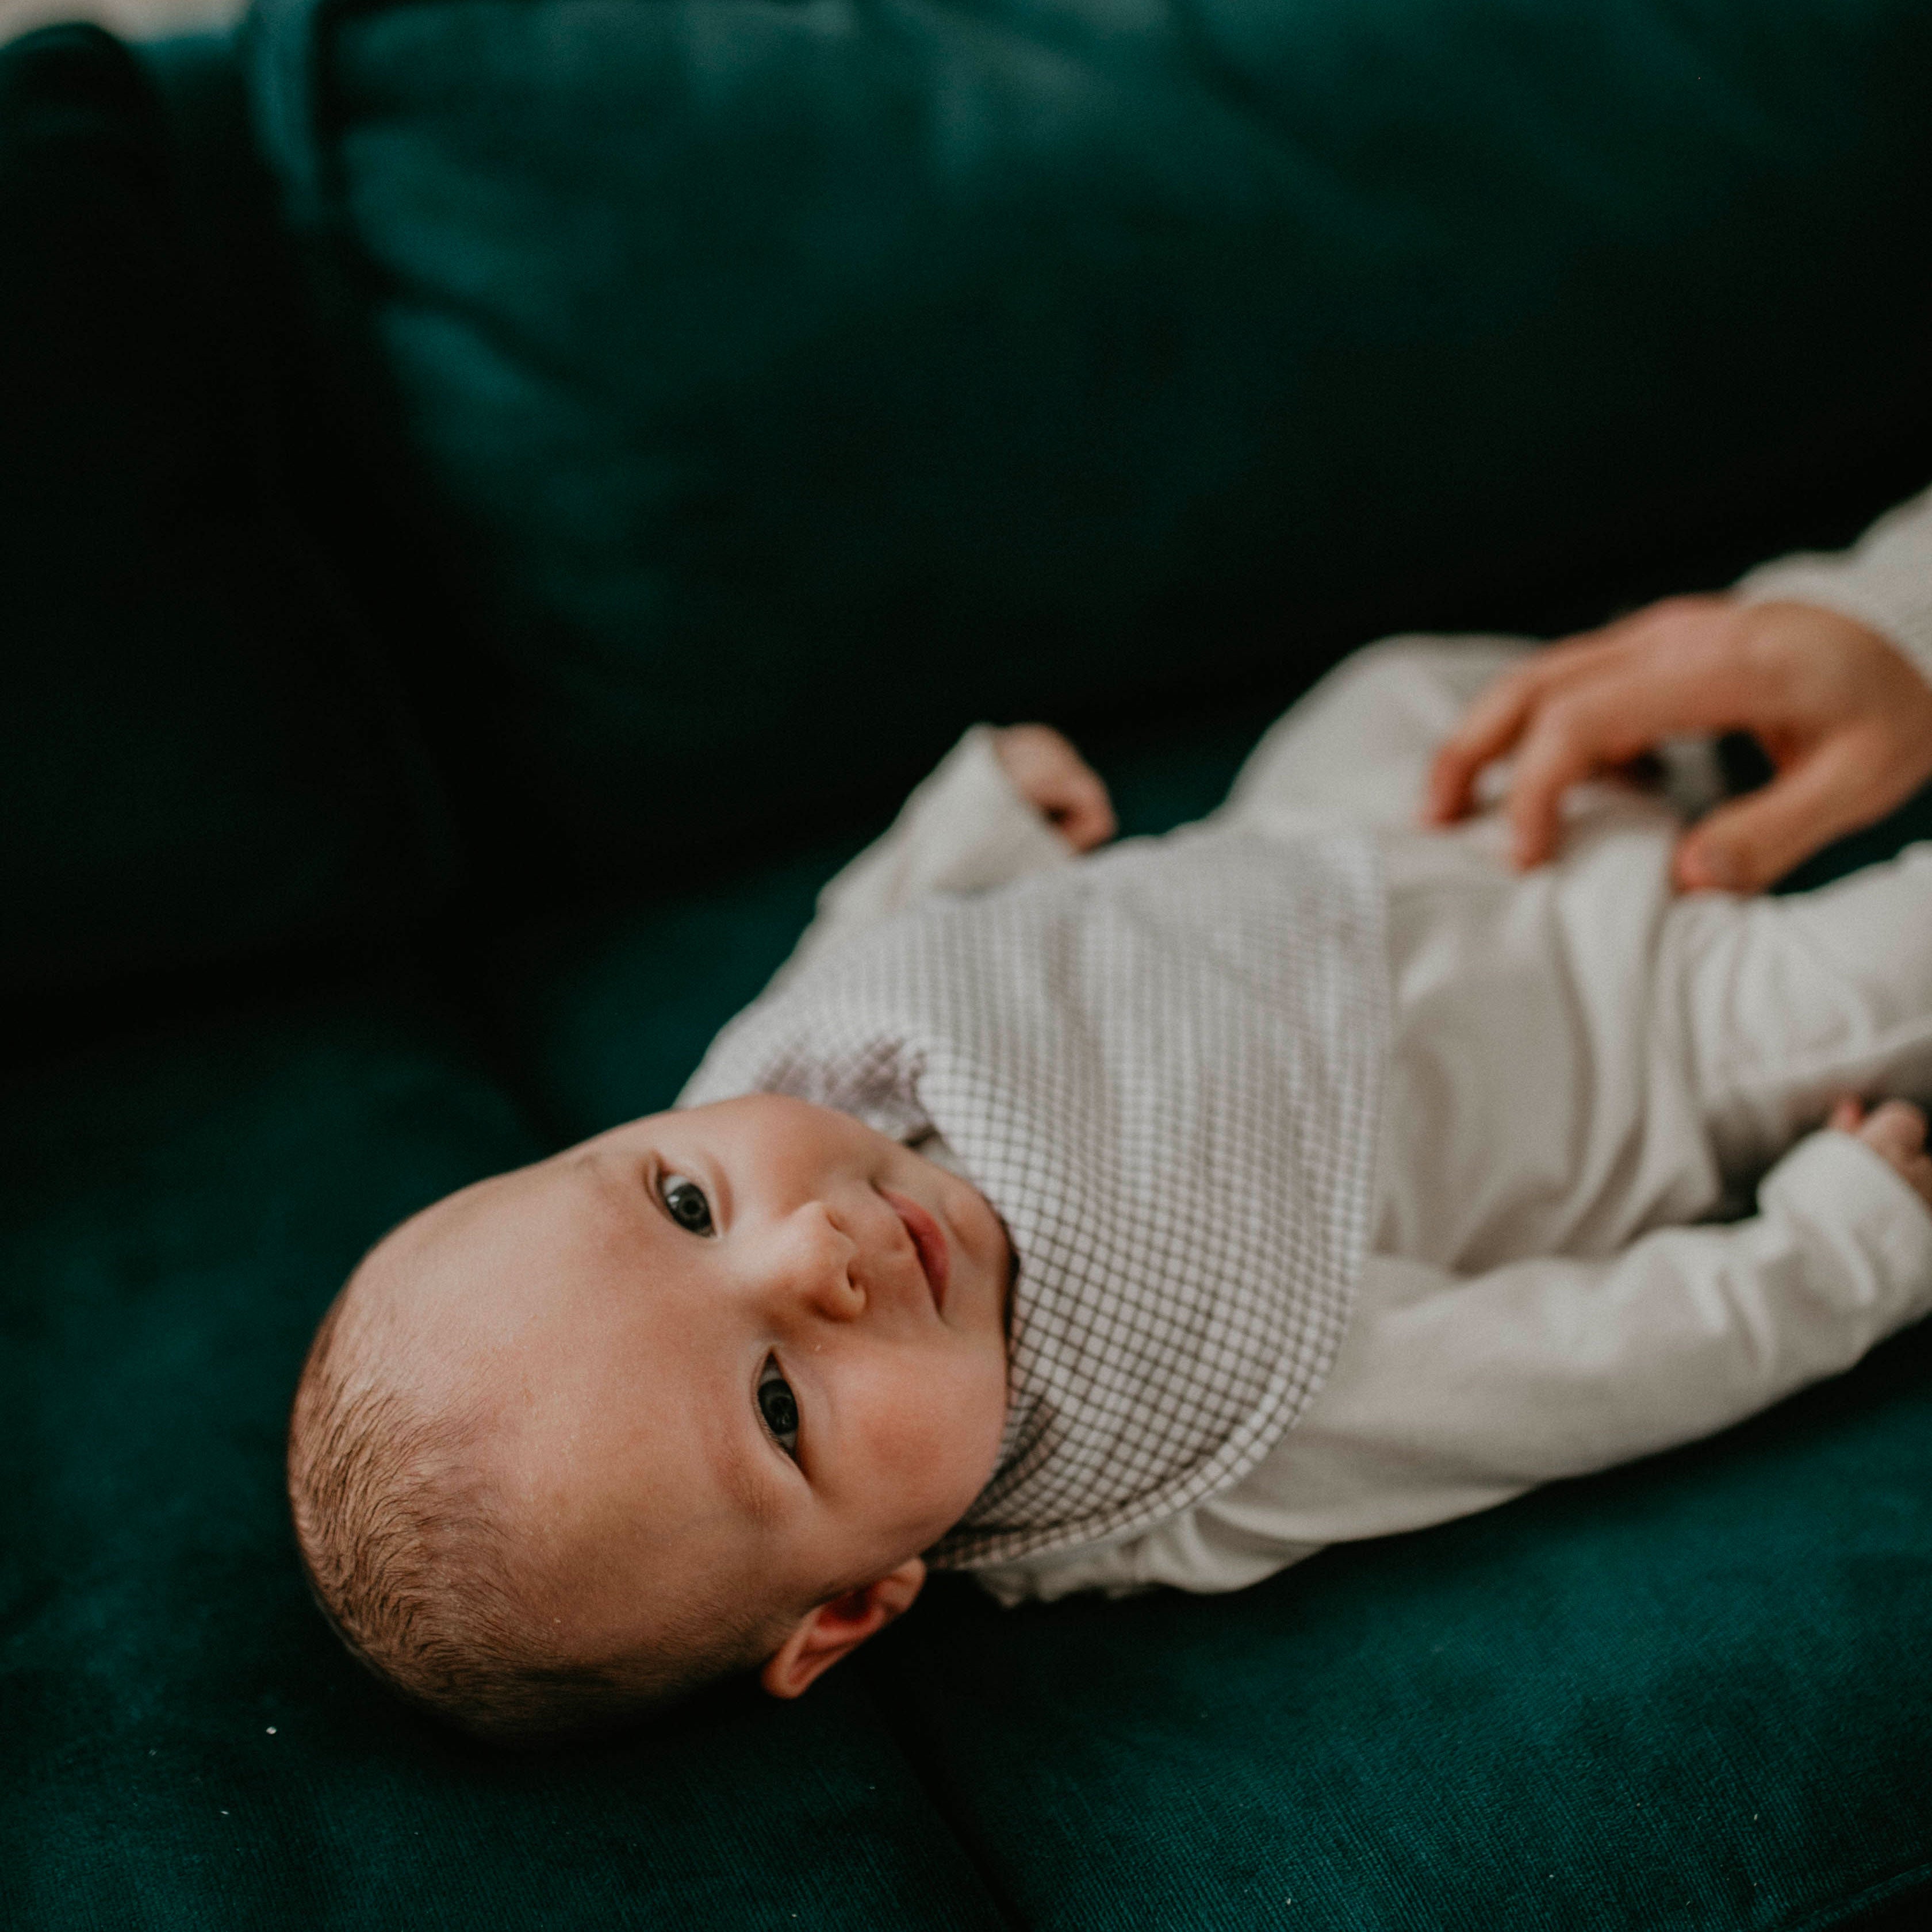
x=933, y=1427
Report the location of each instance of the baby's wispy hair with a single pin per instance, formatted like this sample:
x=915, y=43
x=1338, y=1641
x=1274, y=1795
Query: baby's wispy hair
x=404, y=1539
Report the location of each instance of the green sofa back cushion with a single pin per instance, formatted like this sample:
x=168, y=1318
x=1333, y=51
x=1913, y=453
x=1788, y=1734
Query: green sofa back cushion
x=782, y=382
x=197, y=756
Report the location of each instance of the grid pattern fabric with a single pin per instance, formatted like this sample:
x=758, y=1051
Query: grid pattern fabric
x=1162, y=1068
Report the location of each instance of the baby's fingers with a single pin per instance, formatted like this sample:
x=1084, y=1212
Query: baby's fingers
x=1053, y=778
x=1895, y=1129
x=1081, y=810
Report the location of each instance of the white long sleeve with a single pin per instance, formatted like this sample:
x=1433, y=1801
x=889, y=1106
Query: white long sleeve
x=964, y=828
x=1884, y=580
x=1454, y=1394
x=1573, y=1048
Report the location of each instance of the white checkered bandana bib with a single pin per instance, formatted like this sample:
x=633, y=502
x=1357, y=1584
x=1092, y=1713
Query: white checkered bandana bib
x=1162, y=1067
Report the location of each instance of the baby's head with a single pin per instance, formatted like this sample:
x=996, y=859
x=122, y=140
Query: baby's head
x=689, y=1397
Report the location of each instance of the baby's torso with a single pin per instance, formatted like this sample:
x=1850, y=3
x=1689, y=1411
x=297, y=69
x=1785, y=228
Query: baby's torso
x=1537, y=1103
x=1162, y=1067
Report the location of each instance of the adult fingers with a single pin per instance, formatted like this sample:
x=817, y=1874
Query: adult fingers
x=1496, y=720
x=1491, y=727
x=1627, y=704
x=1659, y=635
x=1753, y=842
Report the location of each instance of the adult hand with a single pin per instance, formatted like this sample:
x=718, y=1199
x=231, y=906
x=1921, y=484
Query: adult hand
x=1842, y=714
x=1058, y=783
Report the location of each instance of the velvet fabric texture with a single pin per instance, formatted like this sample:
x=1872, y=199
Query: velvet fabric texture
x=778, y=384
x=780, y=381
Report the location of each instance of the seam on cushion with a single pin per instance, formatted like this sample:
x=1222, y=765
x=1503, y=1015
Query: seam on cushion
x=1218, y=76
x=919, y=1756
x=1900, y=1887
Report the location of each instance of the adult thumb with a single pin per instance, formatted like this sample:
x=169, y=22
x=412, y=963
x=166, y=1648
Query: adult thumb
x=1753, y=842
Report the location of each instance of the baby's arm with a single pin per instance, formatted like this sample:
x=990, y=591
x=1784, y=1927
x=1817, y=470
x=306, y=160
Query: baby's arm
x=1003, y=803
x=1452, y=1394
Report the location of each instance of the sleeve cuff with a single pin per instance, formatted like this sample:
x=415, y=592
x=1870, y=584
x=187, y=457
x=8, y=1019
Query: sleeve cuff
x=1884, y=581
x=964, y=828
x=1845, y=1195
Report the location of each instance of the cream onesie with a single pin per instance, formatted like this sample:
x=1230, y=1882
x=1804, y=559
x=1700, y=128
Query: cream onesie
x=1585, y=1071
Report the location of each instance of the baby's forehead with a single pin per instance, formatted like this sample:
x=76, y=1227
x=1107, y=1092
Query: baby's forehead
x=499, y=1308
x=546, y=1198
x=476, y=1258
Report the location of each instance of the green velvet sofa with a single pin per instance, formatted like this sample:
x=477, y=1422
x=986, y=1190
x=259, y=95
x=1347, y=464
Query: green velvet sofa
x=497, y=498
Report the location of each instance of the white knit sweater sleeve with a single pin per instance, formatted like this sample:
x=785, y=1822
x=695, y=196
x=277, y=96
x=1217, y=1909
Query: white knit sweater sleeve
x=1884, y=580
x=964, y=829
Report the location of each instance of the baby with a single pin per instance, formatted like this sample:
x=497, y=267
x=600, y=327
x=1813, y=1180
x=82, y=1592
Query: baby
x=1154, y=1217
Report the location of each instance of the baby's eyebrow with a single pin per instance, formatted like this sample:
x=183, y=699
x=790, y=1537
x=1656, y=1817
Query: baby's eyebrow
x=621, y=1189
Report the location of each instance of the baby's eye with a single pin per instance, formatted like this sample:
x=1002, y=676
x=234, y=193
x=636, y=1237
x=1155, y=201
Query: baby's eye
x=686, y=1200
x=779, y=1407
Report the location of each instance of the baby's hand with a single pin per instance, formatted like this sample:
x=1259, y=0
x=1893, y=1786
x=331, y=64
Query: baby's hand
x=1895, y=1130
x=1057, y=782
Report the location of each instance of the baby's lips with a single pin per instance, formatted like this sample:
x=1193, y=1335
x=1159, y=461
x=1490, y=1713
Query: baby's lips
x=928, y=1244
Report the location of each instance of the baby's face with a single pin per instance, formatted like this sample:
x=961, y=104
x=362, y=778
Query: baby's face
x=755, y=1342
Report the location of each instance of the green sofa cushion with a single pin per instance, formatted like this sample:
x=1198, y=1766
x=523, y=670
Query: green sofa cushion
x=198, y=758
x=1562, y=1714
x=780, y=382
x=1694, y=1693
x=185, y=1744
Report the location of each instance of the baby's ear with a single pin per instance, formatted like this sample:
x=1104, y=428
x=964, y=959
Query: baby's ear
x=833, y=1630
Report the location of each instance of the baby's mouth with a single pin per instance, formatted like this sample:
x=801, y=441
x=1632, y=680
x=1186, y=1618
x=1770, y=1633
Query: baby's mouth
x=928, y=1243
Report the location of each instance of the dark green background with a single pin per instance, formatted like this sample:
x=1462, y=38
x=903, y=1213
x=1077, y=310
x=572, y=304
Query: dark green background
x=780, y=381
x=200, y=755
x=469, y=581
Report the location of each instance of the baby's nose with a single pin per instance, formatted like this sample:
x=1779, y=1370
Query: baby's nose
x=820, y=1269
